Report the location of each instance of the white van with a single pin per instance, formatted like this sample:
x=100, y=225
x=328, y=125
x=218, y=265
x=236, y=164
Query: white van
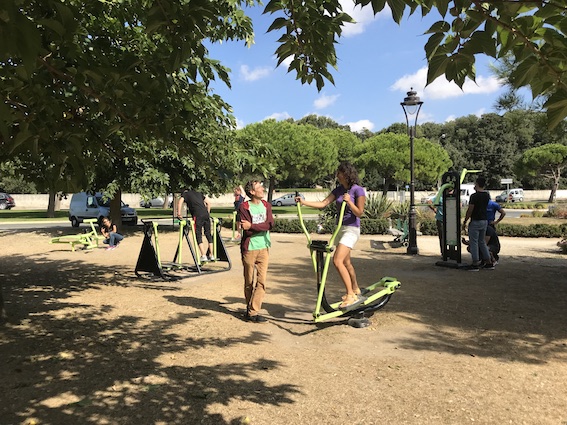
x=91, y=205
x=467, y=190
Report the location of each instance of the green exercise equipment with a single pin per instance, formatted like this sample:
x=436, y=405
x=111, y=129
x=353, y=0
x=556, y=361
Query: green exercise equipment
x=375, y=295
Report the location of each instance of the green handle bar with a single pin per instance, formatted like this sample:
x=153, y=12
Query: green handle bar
x=449, y=185
x=341, y=215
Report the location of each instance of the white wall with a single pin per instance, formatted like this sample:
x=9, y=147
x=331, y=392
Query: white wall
x=40, y=201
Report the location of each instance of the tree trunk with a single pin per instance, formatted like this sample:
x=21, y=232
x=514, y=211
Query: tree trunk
x=387, y=183
x=54, y=204
x=554, y=188
x=272, y=188
x=115, y=213
x=3, y=315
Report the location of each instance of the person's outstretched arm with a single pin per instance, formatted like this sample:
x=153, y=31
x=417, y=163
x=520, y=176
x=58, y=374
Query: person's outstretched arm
x=179, y=206
x=316, y=204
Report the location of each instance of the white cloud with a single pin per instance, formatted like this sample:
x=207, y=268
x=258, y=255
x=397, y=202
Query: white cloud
x=425, y=117
x=443, y=89
x=254, y=74
x=239, y=123
x=478, y=113
x=360, y=125
x=286, y=62
x=323, y=101
x=363, y=16
x=278, y=116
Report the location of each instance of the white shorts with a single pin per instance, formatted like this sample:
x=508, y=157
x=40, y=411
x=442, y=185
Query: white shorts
x=348, y=236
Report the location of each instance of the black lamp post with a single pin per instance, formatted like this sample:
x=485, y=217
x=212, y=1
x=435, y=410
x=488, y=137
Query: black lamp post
x=411, y=105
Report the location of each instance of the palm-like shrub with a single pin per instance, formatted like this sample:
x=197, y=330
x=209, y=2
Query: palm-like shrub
x=400, y=210
x=377, y=206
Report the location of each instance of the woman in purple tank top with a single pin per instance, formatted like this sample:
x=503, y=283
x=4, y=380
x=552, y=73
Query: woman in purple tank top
x=349, y=191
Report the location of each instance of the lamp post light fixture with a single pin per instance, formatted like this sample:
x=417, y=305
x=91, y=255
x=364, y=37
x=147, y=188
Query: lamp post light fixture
x=412, y=105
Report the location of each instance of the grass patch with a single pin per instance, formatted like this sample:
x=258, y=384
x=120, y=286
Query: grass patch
x=63, y=215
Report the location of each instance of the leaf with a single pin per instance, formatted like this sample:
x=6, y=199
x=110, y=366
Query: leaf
x=397, y=7
x=437, y=67
x=378, y=5
x=555, y=115
x=524, y=72
x=273, y=6
x=278, y=24
x=481, y=42
x=438, y=27
x=433, y=44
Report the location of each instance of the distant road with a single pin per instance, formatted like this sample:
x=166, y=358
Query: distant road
x=513, y=213
x=36, y=225
x=66, y=225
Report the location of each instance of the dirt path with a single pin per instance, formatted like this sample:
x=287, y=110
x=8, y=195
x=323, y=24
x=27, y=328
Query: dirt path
x=89, y=343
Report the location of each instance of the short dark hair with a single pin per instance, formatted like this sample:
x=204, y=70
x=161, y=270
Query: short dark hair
x=481, y=182
x=250, y=187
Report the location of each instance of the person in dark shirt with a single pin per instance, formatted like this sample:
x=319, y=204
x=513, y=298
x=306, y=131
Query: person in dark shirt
x=199, y=209
x=476, y=212
x=238, y=200
x=492, y=242
x=111, y=235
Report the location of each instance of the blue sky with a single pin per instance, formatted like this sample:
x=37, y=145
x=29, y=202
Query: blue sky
x=378, y=62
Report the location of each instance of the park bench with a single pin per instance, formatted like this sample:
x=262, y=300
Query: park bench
x=89, y=239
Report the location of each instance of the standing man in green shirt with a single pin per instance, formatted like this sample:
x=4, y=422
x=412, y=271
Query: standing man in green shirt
x=256, y=221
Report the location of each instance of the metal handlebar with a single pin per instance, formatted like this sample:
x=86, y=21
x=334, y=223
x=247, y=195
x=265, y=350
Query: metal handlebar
x=335, y=233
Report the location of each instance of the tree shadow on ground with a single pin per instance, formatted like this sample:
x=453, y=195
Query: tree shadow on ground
x=514, y=313
x=71, y=363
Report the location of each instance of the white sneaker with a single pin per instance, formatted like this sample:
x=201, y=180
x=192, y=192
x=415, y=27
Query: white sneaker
x=204, y=258
x=212, y=258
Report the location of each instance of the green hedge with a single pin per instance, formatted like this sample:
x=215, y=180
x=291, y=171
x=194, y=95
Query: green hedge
x=532, y=230
x=281, y=225
x=426, y=227
x=368, y=227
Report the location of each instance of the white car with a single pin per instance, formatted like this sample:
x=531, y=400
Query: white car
x=512, y=195
x=156, y=202
x=286, y=200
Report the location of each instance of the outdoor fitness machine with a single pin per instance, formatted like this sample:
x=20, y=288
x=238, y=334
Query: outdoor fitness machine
x=375, y=296
x=149, y=260
x=450, y=192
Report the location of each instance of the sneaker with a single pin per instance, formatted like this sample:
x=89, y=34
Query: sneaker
x=256, y=319
x=472, y=268
x=489, y=266
x=204, y=259
x=110, y=248
x=212, y=258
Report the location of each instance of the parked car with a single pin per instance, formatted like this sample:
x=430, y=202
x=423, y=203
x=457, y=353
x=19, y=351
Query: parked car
x=512, y=195
x=285, y=200
x=91, y=205
x=6, y=201
x=157, y=202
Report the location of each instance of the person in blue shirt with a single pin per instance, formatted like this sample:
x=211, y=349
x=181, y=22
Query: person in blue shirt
x=491, y=209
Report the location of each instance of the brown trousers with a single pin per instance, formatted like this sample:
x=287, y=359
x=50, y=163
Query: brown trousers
x=254, y=290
